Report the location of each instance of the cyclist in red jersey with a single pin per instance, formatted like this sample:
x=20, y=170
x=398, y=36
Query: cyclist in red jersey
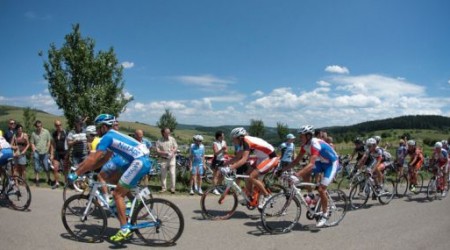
x=266, y=159
x=415, y=162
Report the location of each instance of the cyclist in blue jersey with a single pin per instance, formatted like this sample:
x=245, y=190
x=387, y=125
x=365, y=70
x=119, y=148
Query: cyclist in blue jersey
x=323, y=159
x=132, y=151
x=197, y=164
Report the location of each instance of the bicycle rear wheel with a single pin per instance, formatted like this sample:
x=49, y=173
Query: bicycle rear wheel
x=161, y=223
x=359, y=194
x=18, y=193
x=387, y=193
x=337, y=207
x=401, y=189
x=89, y=228
x=218, y=207
x=279, y=215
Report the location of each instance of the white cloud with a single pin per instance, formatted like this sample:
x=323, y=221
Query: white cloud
x=258, y=93
x=206, y=82
x=337, y=69
x=323, y=83
x=448, y=81
x=128, y=65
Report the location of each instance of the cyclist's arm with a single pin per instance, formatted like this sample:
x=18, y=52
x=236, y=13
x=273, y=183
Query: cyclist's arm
x=94, y=161
x=296, y=161
x=241, y=161
x=308, y=168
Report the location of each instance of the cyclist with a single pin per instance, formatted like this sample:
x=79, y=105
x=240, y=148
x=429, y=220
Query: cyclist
x=323, y=159
x=266, y=159
x=6, y=151
x=359, y=149
x=440, y=158
x=197, y=164
x=134, y=152
x=376, y=164
x=415, y=162
x=400, y=157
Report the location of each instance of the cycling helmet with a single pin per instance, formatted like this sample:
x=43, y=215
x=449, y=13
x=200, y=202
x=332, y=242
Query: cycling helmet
x=236, y=132
x=371, y=141
x=106, y=119
x=358, y=141
x=438, y=145
x=411, y=143
x=377, y=138
x=197, y=138
x=91, y=130
x=307, y=129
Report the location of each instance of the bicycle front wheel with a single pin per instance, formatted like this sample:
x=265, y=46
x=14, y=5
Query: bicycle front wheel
x=387, y=193
x=159, y=222
x=402, y=186
x=432, y=189
x=419, y=186
x=18, y=193
x=359, y=194
x=78, y=186
x=86, y=224
x=219, y=206
x=279, y=214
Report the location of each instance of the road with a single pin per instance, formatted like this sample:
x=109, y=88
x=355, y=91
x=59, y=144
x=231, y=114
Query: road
x=403, y=224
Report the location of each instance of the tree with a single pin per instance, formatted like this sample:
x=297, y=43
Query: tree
x=167, y=120
x=256, y=128
x=83, y=83
x=29, y=117
x=282, y=130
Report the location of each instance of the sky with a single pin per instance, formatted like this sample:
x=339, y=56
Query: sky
x=212, y=63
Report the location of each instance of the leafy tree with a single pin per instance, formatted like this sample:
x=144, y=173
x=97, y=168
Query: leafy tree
x=29, y=117
x=256, y=128
x=282, y=130
x=81, y=82
x=167, y=120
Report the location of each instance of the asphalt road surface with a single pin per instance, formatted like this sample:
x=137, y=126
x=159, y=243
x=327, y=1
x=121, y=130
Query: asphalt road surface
x=403, y=224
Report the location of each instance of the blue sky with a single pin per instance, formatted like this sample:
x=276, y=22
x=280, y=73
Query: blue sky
x=319, y=62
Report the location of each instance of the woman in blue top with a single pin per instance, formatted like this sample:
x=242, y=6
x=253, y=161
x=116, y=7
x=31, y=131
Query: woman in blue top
x=197, y=164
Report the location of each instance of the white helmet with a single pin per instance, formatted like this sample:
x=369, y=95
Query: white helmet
x=371, y=141
x=197, y=138
x=411, y=143
x=236, y=132
x=377, y=138
x=307, y=129
x=444, y=142
x=438, y=145
x=91, y=130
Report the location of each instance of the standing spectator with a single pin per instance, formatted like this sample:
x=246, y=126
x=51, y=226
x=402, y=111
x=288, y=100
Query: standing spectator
x=197, y=164
x=40, y=145
x=9, y=134
x=58, y=154
x=166, y=148
x=220, y=149
x=77, y=142
x=20, y=145
x=139, y=136
x=287, y=149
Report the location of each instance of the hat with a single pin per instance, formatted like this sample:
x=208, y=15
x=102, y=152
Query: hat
x=290, y=136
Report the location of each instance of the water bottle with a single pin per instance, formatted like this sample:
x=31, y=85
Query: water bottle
x=307, y=199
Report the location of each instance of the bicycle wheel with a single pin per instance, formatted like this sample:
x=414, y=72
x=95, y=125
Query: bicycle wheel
x=78, y=186
x=218, y=207
x=279, y=215
x=337, y=207
x=402, y=186
x=432, y=189
x=359, y=194
x=387, y=193
x=18, y=193
x=159, y=223
x=89, y=228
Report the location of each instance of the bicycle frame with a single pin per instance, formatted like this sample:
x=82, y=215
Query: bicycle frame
x=296, y=191
x=230, y=182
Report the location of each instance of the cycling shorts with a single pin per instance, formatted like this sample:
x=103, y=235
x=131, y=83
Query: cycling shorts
x=114, y=165
x=134, y=173
x=328, y=169
x=268, y=164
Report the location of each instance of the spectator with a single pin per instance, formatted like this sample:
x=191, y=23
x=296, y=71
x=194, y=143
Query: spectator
x=139, y=136
x=166, y=148
x=20, y=145
x=40, y=145
x=9, y=134
x=77, y=142
x=197, y=164
x=287, y=149
x=220, y=149
x=58, y=154
x=92, y=138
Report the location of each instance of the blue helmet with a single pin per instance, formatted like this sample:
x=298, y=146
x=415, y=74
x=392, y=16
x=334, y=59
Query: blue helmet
x=106, y=119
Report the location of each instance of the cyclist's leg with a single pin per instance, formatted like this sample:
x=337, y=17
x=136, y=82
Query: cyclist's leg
x=264, y=167
x=329, y=171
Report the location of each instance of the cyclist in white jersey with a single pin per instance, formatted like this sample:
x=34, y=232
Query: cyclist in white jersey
x=131, y=150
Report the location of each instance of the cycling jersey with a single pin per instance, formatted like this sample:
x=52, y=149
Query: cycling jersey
x=328, y=160
x=94, y=143
x=441, y=158
x=264, y=152
x=132, y=151
x=401, y=155
x=6, y=151
x=416, y=153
